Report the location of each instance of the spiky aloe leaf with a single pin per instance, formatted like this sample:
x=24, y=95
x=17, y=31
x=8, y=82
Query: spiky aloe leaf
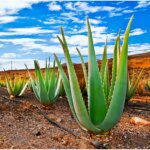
x=8, y=84
x=114, y=70
x=24, y=88
x=118, y=98
x=42, y=89
x=118, y=49
x=34, y=87
x=84, y=68
x=104, y=61
x=52, y=85
x=96, y=98
x=106, y=82
x=58, y=87
x=47, y=75
x=77, y=99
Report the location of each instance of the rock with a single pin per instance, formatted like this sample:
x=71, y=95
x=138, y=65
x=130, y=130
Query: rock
x=58, y=120
x=36, y=133
x=139, y=121
x=100, y=145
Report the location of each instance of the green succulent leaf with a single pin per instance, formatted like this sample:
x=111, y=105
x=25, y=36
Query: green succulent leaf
x=118, y=98
x=96, y=97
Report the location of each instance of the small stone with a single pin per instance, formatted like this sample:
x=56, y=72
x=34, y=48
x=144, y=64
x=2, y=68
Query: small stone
x=139, y=121
x=58, y=120
x=97, y=144
x=37, y=133
x=100, y=145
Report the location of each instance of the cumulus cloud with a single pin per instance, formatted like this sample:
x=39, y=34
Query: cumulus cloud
x=7, y=19
x=8, y=55
x=53, y=6
x=1, y=45
x=142, y=4
x=8, y=7
x=137, y=31
x=25, y=31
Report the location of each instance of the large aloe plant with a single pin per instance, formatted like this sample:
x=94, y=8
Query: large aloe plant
x=99, y=115
x=15, y=85
x=46, y=88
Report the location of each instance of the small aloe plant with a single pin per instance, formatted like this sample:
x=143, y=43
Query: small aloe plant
x=99, y=116
x=15, y=85
x=46, y=88
x=132, y=85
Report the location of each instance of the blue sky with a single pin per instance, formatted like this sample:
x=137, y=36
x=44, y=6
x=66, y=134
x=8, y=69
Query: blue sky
x=28, y=28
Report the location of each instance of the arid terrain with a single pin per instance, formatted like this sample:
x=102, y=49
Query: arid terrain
x=23, y=126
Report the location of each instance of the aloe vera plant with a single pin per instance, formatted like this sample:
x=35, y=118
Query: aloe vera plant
x=98, y=116
x=15, y=85
x=46, y=87
x=132, y=85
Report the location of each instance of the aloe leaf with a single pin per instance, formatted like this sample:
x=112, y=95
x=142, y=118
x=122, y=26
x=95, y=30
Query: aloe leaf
x=47, y=76
x=8, y=84
x=118, y=98
x=24, y=88
x=96, y=98
x=104, y=61
x=114, y=70
x=118, y=49
x=58, y=86
x=33, y=84
x=84, y=68
x=42, y=89
x=106, y=82
x=52, y=85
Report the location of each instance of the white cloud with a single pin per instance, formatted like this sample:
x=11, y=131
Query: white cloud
x=82, y=40
x=84, y=6
x=72, y=16
x=139, y=48
x=114, y=14
x=53, y=21
x=1, y=45
x=142, y=4
x=25, y=31
x=9, y=55
x=27, y=43
x=8, y=7
x=31, y=44
x=128, y=11
x=69, y=5
x=95, y=21
x=137, y=31
x=53, y=6
x=95, y=29
x=7, y=19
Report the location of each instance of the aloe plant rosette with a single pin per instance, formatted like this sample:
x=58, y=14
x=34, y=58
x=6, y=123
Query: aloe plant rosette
x=46, y=88
x=15, y=85
x=99, y=116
